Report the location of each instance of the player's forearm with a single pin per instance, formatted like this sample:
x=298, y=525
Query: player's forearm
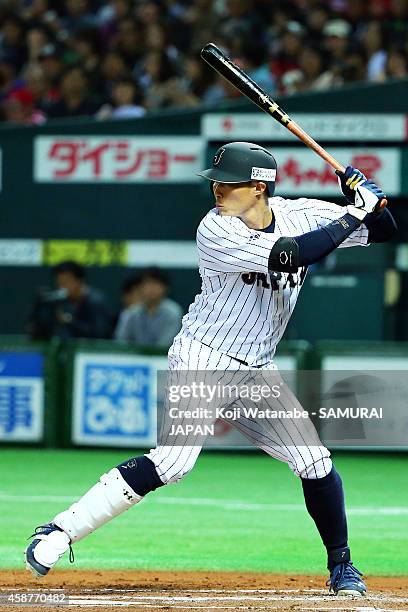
x=288, y=254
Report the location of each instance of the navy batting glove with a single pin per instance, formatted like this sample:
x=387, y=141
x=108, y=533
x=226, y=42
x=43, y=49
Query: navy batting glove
x=351, y=180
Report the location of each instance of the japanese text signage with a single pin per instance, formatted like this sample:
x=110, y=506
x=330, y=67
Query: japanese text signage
x=114, y=399
x=21, y=397
x=358, y=127
x=116, y=159
x=302, y=173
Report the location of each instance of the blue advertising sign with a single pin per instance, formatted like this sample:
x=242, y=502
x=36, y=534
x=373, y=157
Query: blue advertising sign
x=114, y=399
x=21, y=396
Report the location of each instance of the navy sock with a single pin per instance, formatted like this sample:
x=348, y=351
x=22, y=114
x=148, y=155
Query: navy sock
x=140, y=474
x=325, y=503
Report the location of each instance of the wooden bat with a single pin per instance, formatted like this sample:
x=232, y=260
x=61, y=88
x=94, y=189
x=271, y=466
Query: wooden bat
x=237, y=77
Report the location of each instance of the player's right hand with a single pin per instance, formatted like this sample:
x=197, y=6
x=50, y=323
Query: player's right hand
x=361, y=192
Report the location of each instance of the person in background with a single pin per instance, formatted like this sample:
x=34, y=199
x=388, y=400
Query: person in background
x=75, y=99
x=126, y=101
x=73, y=310
x=130, y=297
x=157, y=319
x=19, y=108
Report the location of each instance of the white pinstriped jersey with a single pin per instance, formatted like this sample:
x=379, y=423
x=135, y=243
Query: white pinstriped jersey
x=243, y=309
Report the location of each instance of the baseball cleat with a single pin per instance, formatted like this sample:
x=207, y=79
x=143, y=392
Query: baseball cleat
x=345, y=581
x=49, y=544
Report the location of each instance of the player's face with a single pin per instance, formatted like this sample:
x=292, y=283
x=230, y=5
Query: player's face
x=74, y=286
x=236, y=199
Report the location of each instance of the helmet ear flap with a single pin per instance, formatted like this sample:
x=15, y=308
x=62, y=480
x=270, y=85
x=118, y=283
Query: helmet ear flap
x=271, y=189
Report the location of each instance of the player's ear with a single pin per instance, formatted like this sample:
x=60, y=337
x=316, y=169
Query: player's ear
x=260, y=188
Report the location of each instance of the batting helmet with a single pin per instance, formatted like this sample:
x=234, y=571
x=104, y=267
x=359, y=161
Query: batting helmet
x=241, y=162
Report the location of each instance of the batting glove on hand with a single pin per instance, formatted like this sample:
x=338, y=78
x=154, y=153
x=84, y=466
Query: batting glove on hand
x=362, y=193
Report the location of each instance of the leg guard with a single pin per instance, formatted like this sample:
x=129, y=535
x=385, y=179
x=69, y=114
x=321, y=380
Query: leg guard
x=108, y=498
x=141, y=475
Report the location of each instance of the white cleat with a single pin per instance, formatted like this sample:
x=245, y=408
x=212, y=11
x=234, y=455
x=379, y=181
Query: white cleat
x=48, y=545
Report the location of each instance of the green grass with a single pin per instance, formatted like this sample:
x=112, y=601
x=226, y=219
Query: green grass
x=173, y=529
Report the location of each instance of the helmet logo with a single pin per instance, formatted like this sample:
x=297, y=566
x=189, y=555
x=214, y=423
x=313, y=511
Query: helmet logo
x=263, y=174
x=217, y=156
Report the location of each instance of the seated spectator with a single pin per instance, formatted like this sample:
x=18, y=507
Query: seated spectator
x=12, y=42
x=52, y=66
x=74, y=310
x=126, y=102
x=130, y=297
x=75, y=99
x=19, y=108
x=157, y=319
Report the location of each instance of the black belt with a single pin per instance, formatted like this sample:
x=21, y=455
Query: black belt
x=245, y=363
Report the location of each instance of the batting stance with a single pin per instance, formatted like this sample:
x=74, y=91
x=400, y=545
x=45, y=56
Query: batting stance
x=254, y=250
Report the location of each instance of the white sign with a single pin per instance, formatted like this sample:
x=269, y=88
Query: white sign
x=302, y=173
x=163, y=253
x=366, y=127
x=20, y=252
x=365, y=381
x=115, y=400
x=117, y=159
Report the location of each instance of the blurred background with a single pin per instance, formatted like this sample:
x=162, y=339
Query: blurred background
x=106, y=113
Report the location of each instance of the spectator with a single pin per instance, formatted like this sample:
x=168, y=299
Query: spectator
x=113, y=68
x=374, y=47
x=12, y=42
x=8, y=80
x=77, y=16
x=396, y=66
x=337, y=39
x=129, y=40
x=37, y=38
x=37, y=85
x=74, y=310
x=130, y=297
x=157, y=319
x=156, y=42
x=127, y=102
x=312, y=65
x=254, y=64
x=19, y=108
x=286, y=58
x=86, y=46
x=157, y=73
x=74, y=97
x=52, y=66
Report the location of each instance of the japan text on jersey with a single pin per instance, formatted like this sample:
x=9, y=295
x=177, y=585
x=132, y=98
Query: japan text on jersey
x=243, y=307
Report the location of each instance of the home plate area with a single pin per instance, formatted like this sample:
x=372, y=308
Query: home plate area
x=106, y=590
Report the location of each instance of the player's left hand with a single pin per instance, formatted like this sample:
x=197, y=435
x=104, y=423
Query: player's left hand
x=359, y=190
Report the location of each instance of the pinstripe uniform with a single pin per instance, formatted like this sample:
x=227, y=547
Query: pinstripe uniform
x=236, y=322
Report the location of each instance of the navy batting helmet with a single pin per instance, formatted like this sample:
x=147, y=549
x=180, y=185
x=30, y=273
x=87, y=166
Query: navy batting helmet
x=241, y=162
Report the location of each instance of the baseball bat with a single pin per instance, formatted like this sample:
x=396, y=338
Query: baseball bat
x=237, y=77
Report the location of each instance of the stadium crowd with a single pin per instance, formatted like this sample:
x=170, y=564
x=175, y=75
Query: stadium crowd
x=121, y=58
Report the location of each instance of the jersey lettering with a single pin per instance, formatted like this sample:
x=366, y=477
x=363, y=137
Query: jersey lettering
x=251, y=280
x=290, y=280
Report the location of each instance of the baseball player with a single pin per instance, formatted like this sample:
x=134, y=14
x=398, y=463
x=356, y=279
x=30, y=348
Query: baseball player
x=254, y=250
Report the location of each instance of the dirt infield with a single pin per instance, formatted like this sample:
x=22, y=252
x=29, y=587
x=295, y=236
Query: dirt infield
x=94, y=591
